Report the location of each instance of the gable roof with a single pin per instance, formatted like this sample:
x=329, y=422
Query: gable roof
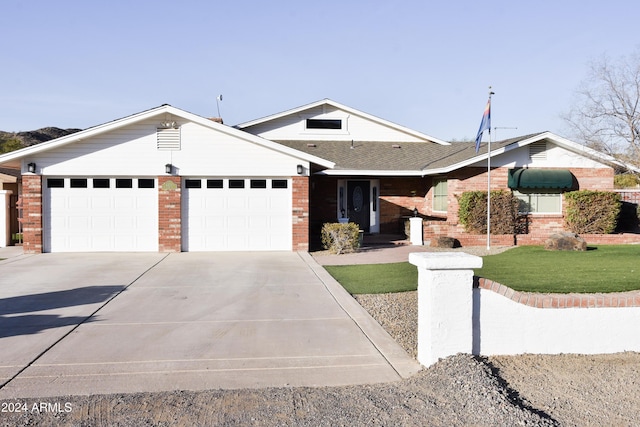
x=345, y=108
x=12, y=159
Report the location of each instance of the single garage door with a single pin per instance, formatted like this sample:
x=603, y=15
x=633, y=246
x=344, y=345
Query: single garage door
x=236, y=214
x=100, y=214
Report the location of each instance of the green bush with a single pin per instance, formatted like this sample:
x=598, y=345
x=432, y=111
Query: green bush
x=339, y=238
x=472, y=212
x=626, y=181
x=591, y=212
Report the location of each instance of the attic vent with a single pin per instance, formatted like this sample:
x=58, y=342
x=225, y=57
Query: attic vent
x=396, y=146
x=538, y=150
x=168, y=139
x=311, y=145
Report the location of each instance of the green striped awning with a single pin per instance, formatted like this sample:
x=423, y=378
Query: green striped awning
x=540, y=178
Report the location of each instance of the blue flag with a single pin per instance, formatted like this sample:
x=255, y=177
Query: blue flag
x=484, y=125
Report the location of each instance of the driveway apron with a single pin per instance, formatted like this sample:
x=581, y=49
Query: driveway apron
x=121, y=323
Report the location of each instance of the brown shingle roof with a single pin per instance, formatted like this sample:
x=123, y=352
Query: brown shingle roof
x=387, y=156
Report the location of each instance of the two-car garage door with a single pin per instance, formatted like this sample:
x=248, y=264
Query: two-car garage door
x=121, y=214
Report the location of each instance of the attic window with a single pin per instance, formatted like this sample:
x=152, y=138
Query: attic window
x=538, y=150
x=324, y=124
x=168, y=139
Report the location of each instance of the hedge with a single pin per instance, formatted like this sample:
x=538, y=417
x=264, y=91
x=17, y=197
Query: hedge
x=591, y=212
x=472, y=212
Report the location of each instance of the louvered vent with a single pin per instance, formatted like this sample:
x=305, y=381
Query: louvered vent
x=538, y=150
x=168, y=139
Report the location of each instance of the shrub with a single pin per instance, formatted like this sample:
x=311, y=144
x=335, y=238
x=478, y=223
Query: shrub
x=472, y=212
x=626, y=181
x=591, y=212
x=339, y=238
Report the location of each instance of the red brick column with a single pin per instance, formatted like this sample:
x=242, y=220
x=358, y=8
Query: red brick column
x=32, y=214
x=169, y=214
x=300, y=212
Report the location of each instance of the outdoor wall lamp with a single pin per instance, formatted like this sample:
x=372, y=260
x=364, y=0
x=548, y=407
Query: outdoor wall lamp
x=168, y=168
x=415, y=212
x=31, y=167
x=300, y=169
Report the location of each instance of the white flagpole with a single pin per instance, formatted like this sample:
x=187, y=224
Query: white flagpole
x=489, y=179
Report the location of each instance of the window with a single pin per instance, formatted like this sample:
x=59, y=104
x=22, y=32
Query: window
x=440, y=194
x=146, y=183
x=539, y=202
x=78, y=183
x=236, y=183
x=279, y=183
x=124, y=183
x=193, y=183
x=324, y=124
x=214, y=183
x=101, y=183
x=258, y=183
x=55, y=182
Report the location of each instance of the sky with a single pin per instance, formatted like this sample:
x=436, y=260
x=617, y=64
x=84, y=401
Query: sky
x=423, y=64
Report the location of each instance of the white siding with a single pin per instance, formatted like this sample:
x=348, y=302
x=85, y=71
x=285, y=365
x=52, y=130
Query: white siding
x=292, y=127
x=557, y=157
x=132, y=151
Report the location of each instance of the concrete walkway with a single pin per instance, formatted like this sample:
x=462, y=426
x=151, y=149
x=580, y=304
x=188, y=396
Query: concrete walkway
x=119, y=323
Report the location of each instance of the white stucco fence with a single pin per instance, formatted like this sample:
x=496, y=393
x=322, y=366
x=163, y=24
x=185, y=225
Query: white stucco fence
x=453, y=317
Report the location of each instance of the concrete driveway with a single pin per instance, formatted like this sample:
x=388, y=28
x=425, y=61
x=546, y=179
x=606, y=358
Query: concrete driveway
x=129, y=322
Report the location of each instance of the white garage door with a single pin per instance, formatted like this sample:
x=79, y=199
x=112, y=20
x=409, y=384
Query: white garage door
x=252, y=214
x=100, y=214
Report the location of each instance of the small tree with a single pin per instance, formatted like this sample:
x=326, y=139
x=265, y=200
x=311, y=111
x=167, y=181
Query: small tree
x=606, y=114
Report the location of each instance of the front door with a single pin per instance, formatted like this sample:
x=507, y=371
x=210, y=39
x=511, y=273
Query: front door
x=358, y=204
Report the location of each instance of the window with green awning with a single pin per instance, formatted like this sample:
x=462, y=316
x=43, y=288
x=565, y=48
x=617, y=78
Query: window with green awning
x=557, y=179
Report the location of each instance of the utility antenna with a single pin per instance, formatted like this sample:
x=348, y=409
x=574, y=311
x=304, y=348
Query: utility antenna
x=218, y=99
x=496, y=129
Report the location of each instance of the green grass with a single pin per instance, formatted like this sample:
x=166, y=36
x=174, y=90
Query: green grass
x=376, y=278
x=606, y=268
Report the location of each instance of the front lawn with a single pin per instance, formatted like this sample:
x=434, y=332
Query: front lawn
x=375, y=278
x=606, y=268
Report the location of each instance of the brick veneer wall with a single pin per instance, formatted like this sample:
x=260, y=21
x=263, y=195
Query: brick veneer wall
x=169, y=214
x=32, y=214
x=614, y=299
x=539, y=226
x=300, y=213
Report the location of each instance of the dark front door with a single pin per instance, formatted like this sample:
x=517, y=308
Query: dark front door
x=358, y=203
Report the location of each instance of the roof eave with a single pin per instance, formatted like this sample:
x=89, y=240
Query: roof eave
x=370, y=172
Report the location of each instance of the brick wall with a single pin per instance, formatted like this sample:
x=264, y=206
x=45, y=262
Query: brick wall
x=539, y=226
x=169, y=214
x=614, y=299
x=398, y=198
x=300, y=213
x=32, y=214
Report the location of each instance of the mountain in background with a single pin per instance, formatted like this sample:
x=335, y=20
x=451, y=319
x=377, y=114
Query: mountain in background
x=25, y=139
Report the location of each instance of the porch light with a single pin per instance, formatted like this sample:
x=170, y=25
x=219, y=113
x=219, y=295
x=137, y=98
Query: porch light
x=300, y=169
x=31, y=167
x=168, y=168
x=415, y=212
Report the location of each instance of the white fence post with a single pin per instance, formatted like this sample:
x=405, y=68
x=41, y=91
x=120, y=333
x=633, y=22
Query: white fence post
x=445, y=303
x=5, y=233
x=415, y=231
